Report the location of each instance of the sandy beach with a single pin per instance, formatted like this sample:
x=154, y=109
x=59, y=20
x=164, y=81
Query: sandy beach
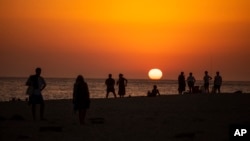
x=197, y=117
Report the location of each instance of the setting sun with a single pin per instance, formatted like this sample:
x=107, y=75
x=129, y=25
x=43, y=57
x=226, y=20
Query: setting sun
x=155, y=74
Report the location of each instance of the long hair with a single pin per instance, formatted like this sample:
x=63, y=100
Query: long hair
x=79, y=79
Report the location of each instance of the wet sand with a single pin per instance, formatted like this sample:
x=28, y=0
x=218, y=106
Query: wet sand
x=168, y=118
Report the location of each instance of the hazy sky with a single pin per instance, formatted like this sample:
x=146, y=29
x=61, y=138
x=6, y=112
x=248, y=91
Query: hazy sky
x=97, y=37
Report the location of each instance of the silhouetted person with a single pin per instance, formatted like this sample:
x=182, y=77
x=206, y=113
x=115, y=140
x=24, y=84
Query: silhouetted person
x=36, y=84
x=110, y=83
x=182, y=83
x=154, y=92
x=81, y=98
x=217, y=82
x=191, y=81
x=122, y=83
x=206, y=79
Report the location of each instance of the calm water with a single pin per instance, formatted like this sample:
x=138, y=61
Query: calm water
x=61, y=88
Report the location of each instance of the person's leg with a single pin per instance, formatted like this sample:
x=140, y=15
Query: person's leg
x=33, y=110
x=107, y=94
x=190, y=89
x=215, y=89
x=42, y=111
x=206, y=88
x=82, y=114
x=114, y=94
x=119, y=93
x=193, y=88
x=41, y=102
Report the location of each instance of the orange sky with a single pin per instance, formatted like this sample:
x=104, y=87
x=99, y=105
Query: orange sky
x=97, y=37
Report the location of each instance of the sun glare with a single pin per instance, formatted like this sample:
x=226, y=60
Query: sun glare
x=155, y=74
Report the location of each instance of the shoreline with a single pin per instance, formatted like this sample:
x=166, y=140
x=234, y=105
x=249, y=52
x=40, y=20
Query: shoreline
x=168, y=117
x=16, y=99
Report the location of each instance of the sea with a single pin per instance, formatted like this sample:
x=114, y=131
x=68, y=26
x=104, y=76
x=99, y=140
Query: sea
x=61, y=88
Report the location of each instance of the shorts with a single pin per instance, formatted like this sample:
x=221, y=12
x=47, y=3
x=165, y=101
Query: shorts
x=216, y=86
x=206, y=85
x=111, y=89
x=190, y=84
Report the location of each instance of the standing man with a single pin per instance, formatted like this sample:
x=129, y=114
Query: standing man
x=110, y=83
x=191, y=81
x=36, y=84
x=217, y=82
x=206, y=79
x=122, y=83
x=182, y=83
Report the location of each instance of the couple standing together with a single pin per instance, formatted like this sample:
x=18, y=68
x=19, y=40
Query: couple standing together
x=122, y=83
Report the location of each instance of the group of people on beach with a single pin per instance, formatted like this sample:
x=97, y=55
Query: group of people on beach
x=122, y=83
x=191, y=83
x=81, y=98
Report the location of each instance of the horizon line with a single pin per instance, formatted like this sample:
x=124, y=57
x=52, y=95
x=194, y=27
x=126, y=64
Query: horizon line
x=113, y=77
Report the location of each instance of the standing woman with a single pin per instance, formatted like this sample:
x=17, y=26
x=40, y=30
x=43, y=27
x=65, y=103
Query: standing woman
x=206, y=79
x=122, y=83
x=182, y=83
x=81, y=98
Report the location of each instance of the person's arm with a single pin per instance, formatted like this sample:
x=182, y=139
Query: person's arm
x=28, y=82
x=74, y=94
x=87, y=88
x=106, y=83
x=126, y=82
x=43, y=84
x=158, y=92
